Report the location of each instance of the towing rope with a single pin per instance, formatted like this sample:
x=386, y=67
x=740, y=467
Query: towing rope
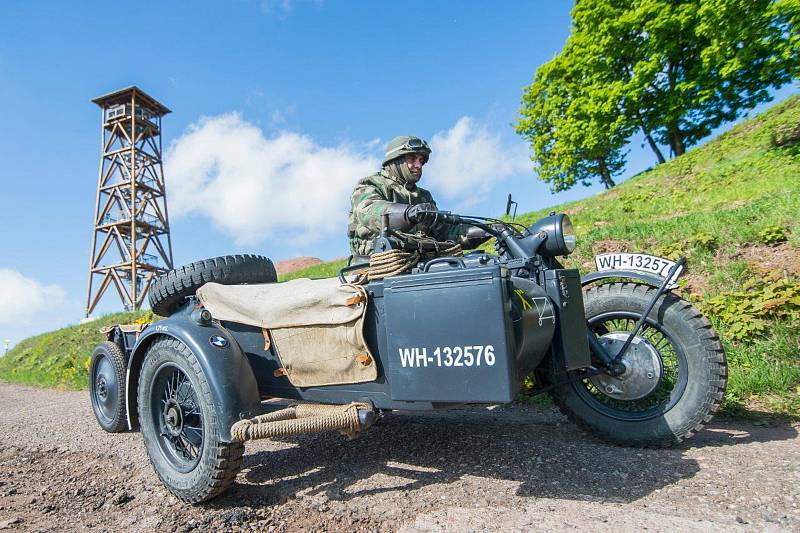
x=299, y=419
x=394, y=262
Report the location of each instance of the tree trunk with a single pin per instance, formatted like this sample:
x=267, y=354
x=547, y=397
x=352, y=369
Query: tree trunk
x=676, y=140
x=605, y=176
x=653, y=145
x=673, y=131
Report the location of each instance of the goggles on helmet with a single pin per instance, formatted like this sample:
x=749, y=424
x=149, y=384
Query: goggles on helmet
x=413, y=145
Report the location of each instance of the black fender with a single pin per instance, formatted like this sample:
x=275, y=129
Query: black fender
x=227, y=370
x=647, y=279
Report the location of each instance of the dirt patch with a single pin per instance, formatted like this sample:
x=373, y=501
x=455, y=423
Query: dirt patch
x=298, y=263
x=610, y=195
x=512, y=468
x=696, y=284
x=609, y=246
x=782, y=258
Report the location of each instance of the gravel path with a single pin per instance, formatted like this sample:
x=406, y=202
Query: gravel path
x=513, y=469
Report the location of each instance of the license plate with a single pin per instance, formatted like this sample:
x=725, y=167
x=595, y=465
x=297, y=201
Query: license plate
x=638, y=262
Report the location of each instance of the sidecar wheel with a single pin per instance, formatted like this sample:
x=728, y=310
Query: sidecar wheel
x=107, y=387
x=179, y=425
x=675, y=380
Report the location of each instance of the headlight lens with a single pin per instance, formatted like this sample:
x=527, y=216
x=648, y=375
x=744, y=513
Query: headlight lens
x=568, y=234
x=560, y=236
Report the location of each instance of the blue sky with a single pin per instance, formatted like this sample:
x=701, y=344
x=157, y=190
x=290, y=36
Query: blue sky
x=278, y=108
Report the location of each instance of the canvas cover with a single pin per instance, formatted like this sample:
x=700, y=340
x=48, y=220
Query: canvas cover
x=317, y=326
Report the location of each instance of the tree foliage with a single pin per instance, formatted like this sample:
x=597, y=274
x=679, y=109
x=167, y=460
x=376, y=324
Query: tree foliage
x=573, y=124
x=671, y=69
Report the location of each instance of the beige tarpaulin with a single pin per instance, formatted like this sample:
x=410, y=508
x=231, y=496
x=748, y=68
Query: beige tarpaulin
x=317, y=326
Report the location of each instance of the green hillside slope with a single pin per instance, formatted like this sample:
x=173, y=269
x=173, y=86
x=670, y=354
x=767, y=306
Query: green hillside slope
x=60, y=358
x=731, y=206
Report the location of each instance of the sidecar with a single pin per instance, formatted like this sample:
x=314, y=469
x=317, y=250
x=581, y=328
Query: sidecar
x=452, y=331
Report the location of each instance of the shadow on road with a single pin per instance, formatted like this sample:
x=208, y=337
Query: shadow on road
x=535, y=448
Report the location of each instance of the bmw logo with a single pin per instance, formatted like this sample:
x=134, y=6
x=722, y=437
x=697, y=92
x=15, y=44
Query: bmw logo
x=219, y=342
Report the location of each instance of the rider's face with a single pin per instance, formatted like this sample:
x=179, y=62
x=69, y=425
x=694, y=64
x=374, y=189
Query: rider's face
x=414, y=163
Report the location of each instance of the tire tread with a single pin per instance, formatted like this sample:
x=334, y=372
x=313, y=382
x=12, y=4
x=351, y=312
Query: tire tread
x=223, y=461
x=119, y=423
x=714, y=355
x=168, y=292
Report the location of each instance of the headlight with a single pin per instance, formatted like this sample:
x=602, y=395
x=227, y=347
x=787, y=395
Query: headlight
x=560, y=235
x=568, y=234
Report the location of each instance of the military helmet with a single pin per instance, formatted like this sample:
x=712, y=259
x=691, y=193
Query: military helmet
x=406, y=144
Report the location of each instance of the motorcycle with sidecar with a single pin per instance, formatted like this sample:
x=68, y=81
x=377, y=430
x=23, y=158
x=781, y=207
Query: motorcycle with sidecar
x=621, y=355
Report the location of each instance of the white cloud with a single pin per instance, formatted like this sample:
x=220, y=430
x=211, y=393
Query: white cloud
x=252, y=186
x=21, y=298
x=469, y=159
x=226, y=169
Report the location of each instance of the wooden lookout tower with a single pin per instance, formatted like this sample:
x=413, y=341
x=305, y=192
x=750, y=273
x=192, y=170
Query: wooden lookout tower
x=130, y=240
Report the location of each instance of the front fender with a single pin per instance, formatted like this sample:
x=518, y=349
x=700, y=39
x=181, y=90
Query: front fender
x=226, y=369
x=648, y=279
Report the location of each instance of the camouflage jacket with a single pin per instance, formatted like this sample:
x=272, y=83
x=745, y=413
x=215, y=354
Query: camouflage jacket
x=369, y=202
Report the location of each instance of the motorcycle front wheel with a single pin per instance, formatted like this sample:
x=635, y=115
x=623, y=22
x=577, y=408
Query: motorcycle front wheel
x=675, y=370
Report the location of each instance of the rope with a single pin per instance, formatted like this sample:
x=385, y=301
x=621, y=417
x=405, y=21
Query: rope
x=299, y=419
x=394, y=262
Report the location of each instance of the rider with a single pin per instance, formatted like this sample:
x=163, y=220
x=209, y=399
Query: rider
x=394, y=191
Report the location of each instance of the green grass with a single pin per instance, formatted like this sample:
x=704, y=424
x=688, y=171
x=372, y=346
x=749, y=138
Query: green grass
x=60, y=359
x=324, y=270
x=719, y=200
x=735, y=194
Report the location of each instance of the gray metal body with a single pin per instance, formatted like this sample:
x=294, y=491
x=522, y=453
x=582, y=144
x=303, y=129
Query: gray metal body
x=474, y=303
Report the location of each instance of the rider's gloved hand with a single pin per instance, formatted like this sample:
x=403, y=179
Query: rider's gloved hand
x=424, y=214
x=403, y=216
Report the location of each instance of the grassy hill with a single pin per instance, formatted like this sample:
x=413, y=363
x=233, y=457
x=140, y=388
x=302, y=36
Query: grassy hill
x=731, y=206
x=60, y=359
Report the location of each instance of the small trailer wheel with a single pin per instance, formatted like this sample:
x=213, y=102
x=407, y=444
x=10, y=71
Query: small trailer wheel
x=107, y=387
x=179, y=425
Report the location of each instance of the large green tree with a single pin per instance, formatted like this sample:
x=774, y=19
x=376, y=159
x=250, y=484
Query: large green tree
x=672, y=69
x=573, y=123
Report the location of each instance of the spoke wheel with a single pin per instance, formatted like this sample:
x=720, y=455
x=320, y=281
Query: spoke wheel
x=675, y=370
x=173, y=402
x=179, y=424
x=669, y=376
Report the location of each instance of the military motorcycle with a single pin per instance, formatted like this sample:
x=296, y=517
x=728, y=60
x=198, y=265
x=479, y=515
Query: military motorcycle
x=621, y=355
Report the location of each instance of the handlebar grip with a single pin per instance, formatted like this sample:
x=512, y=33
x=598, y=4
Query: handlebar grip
x=449, y=217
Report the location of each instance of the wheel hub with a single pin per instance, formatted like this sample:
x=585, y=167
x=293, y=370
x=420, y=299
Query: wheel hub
x=102, y=388
x=173, y=418
x=643, y=368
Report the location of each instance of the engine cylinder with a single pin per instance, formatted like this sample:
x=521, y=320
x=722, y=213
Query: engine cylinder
x=534, y=320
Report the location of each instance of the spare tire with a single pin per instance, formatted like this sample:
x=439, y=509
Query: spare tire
x=168, y=292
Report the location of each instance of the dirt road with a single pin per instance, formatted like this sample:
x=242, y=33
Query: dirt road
x=510, y=469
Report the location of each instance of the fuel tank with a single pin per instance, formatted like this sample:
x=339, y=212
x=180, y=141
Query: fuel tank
x=534, y=323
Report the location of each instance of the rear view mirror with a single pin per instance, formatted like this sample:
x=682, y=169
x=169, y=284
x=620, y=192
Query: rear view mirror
x=509, y=203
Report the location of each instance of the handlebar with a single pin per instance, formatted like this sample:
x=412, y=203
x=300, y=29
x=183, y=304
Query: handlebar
x=452, y=218
x=505, y=233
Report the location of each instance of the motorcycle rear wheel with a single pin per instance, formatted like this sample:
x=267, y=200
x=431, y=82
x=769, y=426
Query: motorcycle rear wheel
x=689, y=371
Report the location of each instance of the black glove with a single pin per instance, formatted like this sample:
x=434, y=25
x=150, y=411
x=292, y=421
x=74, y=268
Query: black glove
x=403, y=216
x=424, y=214
x=474, y=237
